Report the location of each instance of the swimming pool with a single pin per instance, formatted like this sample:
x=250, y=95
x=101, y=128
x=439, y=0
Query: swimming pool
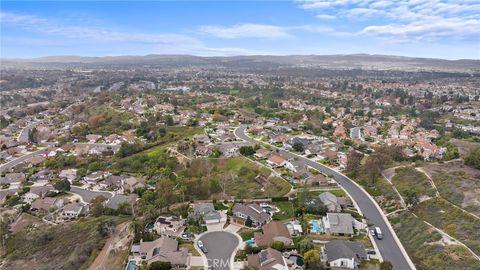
x=316, y=226
x=296, y=259
x=131, y=265
x=250, y=242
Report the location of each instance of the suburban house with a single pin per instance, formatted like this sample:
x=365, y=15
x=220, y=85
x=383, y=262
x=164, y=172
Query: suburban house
x=95, y=177
x=330, y=201
x=93, y=138
x=338, y=223
x=11, y=178
x=46, y=204
x=294, y=227
x=113, y=181
x=117, y=199
x=276, y=160
x=132, y=183
x=69, y=174
x=42, y=176
x=35, y=193
x=273, y=231
x=344, y=254
x=207, y=212
x=164, y=249
x=254, y=212
x=73, y=210
x=267, y=259
x=262, y=153
x=171, y=226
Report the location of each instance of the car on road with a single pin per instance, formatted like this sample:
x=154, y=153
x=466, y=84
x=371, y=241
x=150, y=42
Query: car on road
x=372, y=232
x=378, y=233
x=202, y=247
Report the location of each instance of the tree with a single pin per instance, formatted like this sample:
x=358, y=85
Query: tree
x=386, y=265
x=128, y=149
x=32, y=135
x=160, y=266
x=304, y=245
x=473, y=158
x=62, y=185
x=353, y=163
x=246, y=150
x=248, y=222
x=298, y=147
x=278, y=245
x=312, y=259
x=96, y=206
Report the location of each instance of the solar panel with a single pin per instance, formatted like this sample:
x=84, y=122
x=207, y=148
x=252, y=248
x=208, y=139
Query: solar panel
x=263, y=256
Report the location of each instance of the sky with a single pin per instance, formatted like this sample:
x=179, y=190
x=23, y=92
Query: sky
x=447, y=29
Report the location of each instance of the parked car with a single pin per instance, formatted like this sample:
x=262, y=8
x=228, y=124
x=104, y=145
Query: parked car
x=378, y=233
x=200, y=244
x=185, y=236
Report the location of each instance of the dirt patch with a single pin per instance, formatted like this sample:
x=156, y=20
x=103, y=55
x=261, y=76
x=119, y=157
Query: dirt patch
x=115, y=252
x=26, y=220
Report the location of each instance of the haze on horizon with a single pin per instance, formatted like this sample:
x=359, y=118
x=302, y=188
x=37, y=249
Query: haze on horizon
x=442, y=29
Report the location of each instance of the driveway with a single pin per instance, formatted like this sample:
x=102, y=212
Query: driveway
x=220, y=246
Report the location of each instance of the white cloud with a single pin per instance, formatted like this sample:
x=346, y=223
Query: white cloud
x=325, y=16
x=405, y=20
x=163, y=43
x=246, y=30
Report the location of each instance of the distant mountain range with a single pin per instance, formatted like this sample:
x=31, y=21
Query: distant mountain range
x=352, y=61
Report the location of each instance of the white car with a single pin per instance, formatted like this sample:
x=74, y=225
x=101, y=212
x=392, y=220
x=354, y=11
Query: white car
x=200, y=244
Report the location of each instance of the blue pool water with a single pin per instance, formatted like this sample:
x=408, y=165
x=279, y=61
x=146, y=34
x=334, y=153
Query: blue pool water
x=316, y=227
x=297, y=259
x=250, y=242
x=131, y=265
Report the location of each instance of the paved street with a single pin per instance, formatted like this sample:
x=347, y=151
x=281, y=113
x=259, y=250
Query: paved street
x=220, y=246
x=89, y=195
x=390, y=249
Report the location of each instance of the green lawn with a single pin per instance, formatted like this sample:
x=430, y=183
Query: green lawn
x=336, y=192
x=287, y=210
x=247, y=233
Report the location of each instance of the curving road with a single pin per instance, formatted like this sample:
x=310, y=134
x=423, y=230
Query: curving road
x=390, y=247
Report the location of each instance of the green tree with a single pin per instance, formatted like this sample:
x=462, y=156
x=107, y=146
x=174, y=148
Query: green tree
x=304, y=245
x=278, y=245
x=297, y=147
x=312, y=259
x=97, y=207
x=246, y=150
x=62, y=185
x=248, y=222
x=386, y=265
x=353, y=163
x=160, y=266
x=473, y=158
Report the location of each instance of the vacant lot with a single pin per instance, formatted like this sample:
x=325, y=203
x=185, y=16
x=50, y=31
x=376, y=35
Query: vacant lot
x=71, y=246
x=453, y=221
x=425, y=247
x=407, y=180
x=457, y=183
x=239, y=177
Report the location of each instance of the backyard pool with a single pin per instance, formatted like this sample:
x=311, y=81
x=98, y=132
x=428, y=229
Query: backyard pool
x=131, y=265
x=296, y=259
x=250, y=242
x=316, y=226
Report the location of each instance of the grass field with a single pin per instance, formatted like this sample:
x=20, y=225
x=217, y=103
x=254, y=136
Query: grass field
x=287, y=211
x=425, y=249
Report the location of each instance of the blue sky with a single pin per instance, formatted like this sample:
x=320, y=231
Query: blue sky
x=447, y=29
